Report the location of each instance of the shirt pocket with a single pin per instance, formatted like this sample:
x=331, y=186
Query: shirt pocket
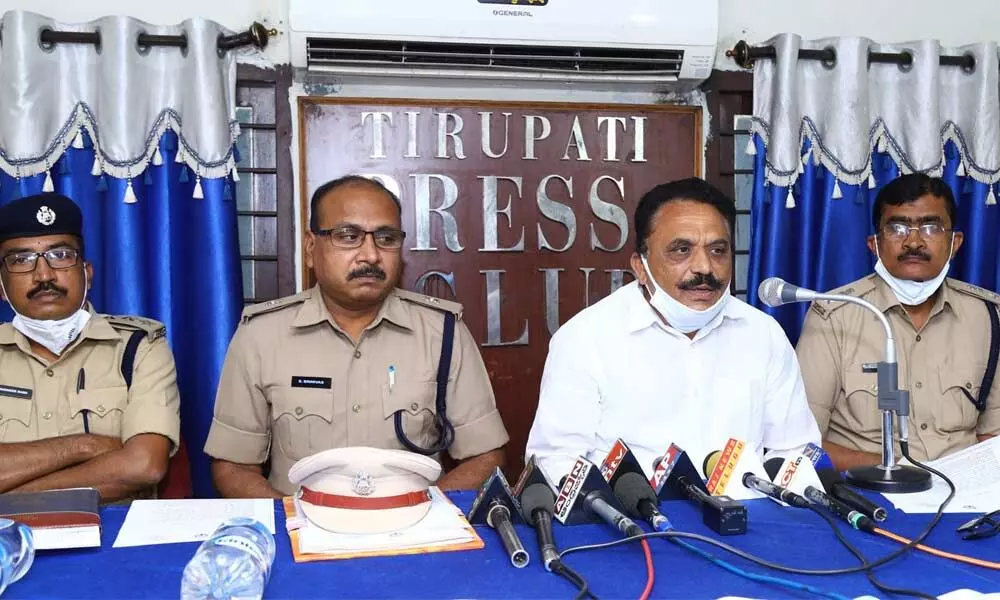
x=955, y=412
x=101, y=409
x=416, y=403
x=862, y=414
x=15, y=420
x=302, y=420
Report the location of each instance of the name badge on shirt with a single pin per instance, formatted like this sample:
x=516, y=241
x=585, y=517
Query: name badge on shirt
x=318, y=383
x=15, y=392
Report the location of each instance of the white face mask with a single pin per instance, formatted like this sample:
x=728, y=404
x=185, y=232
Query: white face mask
x=679, y=316
x=54, y=334
x=913, y=293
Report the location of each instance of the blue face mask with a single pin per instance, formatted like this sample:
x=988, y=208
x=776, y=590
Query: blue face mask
x=681, y=317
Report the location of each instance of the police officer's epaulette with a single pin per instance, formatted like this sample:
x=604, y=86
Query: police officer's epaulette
x=154, y=329
x=856, y=288
x=973, y=290
x=273, y=305
x=430, y=302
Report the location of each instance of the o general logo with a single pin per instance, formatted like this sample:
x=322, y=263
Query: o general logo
x=516, y=2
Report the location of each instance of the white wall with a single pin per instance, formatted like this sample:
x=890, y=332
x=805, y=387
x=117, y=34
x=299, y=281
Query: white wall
x=954, y=22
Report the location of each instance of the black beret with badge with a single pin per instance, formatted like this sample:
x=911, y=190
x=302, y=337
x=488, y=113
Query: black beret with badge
x=38, y=215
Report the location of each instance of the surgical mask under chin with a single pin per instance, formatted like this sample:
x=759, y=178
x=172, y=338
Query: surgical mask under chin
x=55, y=334
x=679, y=316
x=912, y=293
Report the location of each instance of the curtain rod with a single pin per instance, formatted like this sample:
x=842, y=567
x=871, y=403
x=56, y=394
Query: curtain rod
x=256, y=35
x=745, y=55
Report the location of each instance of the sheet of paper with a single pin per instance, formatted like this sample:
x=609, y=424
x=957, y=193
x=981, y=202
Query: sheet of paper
x=151, y=522
x=975, y=472
x=444, y=524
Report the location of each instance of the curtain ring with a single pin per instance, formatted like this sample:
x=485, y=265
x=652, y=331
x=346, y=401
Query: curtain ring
x=142, y=49
x=831, y=62
x=970, y=63
x=184, y=43
x=45, y=46
x=906, y=65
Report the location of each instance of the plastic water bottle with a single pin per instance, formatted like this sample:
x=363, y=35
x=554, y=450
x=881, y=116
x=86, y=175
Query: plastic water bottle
x=235, y=563
x=17, y=551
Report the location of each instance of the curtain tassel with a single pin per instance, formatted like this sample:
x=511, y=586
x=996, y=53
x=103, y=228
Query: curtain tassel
x=882, y=145
x=129, y=194
x=871, y=181
x=48, y=185
x=184, y=175
x=960, y=171
x=78, y=139
x=96, y=170
x=157, y=157
x=837, y=193
x=790, y=199
x=236, y=175
x=751, y=149
x=179, y=157
x=991, y=198
x=198, y=193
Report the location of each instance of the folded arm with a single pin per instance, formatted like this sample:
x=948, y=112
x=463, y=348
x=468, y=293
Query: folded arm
x=470, y=473
x=140, y=463
x=26, y=462
x=236, y=480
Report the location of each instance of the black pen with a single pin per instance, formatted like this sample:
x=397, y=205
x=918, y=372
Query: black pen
x=80, y=382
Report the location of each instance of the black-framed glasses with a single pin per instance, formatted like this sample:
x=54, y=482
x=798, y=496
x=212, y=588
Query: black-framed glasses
x=25, y=262
x=349, y=236
x=927, y=231
x=987, y=525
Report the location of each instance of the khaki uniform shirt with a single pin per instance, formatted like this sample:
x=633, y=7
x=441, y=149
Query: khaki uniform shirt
x=939, y=365
x=295, y=384
x=39, y=400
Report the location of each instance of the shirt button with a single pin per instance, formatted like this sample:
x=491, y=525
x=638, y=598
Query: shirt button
x=357, y=354
x=968, y=385
x=918, y=338
x=100, y=408
x=923, y=426
x=919, y=385
x=298, y=410
x=356, y=408
x=414, y=406
x=49, y=372
x=47, y=416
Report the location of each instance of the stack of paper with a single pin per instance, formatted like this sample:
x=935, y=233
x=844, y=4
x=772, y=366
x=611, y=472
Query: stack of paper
x=150, y=522
x=975, y=472
x=444, y=528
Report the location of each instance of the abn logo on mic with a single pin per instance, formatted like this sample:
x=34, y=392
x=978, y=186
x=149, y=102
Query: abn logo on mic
x=516, y=2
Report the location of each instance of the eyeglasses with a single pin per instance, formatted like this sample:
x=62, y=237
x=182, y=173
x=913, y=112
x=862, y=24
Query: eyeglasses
x=985, y=526
x=901, y=231
x=349, y=236
x=25, y=262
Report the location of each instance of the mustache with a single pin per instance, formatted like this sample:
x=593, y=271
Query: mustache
x=702, y=279
x=915, y=253
x=367, y=271
x=46, y=286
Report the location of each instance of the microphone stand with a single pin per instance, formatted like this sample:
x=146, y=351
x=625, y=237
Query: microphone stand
x=888, y=476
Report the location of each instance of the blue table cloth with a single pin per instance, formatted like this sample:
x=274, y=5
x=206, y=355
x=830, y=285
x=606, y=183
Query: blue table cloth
x=793, y=536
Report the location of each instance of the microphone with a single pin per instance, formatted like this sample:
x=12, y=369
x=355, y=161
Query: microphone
x=628, y=483
x=838, y=508
x=495, y=505
x=734, y=459
x=675, y=477
x=536, y=498
x=888, y=476
x=774, y=491
x=839, y=489
x=584, y=497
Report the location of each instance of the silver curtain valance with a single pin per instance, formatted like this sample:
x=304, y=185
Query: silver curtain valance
x=848, y=109
x=124, y=96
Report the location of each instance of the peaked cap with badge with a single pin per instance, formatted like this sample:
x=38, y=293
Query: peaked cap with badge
x=42, y=214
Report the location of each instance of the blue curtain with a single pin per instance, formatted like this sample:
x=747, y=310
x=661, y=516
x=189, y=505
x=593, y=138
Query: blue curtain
x=820, y=242
x=169, y=257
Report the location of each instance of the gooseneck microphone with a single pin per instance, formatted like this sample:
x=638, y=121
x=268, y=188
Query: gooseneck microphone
x=888, y=476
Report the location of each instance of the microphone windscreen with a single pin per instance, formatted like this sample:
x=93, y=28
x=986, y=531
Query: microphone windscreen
x=772, y=466
x=656, y=462
x=632, y=488
x=769, y=291
x=710, y=461
x=537, y=496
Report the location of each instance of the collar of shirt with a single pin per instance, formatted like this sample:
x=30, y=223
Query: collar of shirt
x=642, y=315
x=314, y=311
x=885, y=300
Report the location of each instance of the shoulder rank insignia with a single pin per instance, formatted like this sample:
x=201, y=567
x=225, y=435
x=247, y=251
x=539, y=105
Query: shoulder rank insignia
x=430, y=301
x=154, y=329
x=974, y=290
x=273, y=305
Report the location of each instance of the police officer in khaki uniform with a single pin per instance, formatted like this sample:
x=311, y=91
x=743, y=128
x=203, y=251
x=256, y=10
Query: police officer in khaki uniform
x=944, y=329
x=85, y=399
x=354, y=361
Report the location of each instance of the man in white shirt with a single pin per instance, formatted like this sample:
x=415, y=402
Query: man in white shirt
x=672, y=357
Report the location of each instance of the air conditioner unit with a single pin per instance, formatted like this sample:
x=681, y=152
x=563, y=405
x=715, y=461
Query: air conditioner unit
x=627, y=41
